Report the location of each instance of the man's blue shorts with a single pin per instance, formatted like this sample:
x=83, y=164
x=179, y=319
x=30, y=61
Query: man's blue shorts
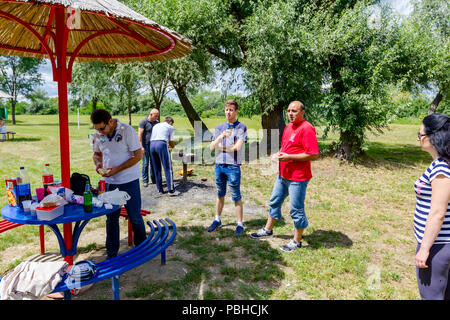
x=224, y=173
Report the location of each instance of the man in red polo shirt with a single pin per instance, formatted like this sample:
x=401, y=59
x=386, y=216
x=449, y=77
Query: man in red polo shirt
x=298, y=148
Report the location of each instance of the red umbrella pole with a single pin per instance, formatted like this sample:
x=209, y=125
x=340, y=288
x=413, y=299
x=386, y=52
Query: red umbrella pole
x=61, y=50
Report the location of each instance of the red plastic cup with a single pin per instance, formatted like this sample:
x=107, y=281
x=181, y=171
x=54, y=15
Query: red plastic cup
x=40, y=193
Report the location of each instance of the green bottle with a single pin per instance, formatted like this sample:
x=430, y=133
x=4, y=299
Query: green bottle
x=87, y=199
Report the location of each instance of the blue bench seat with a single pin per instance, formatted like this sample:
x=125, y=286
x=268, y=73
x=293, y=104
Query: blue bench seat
x=155, y=244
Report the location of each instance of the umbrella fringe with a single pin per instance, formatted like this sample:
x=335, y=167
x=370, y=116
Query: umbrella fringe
x=120, y=45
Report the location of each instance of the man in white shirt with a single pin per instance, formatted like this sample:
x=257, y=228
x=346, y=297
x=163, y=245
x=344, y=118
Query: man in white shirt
x=161, y=140
x=117, y=152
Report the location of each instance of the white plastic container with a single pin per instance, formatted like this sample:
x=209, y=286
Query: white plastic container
x=49, y=213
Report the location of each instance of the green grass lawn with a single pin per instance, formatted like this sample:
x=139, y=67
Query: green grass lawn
x=359, y=243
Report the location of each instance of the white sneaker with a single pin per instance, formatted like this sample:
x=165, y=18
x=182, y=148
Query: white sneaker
x=262, y=233
x=291, y=246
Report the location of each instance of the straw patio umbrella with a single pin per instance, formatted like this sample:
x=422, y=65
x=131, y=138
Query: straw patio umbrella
x=66, y=31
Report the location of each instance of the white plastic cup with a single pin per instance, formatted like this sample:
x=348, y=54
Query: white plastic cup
x=33, y=208
x=26, y=205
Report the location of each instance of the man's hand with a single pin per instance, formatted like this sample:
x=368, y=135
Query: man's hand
x=111, y=171
x=283, y=157
x=274, y=157
x=227, y=133
x=98, y=166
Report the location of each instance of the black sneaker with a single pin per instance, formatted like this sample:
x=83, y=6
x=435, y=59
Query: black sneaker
x=262, y=233
x=174, y=193
x=291, y=246
x=215, y=225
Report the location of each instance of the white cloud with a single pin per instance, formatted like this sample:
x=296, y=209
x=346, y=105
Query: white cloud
x=49, y=86
x=403, y=7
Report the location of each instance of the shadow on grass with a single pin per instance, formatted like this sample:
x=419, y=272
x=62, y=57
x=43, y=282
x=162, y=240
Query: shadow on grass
x=382, y=154
x=189, y=184
x=227, y=267
x=386, y=155
x=327, y=239
x=317, y=239
x=22, y=139
x=259, y=223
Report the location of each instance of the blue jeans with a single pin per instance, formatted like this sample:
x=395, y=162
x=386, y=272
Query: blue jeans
x=133, y=207
x=224, y=173
x=146, y=163
x=296, y=191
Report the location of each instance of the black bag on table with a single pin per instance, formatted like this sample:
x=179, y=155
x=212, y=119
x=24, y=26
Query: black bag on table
x=78, y=183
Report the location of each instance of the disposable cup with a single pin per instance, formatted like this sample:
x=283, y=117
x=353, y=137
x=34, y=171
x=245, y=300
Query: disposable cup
x=26, y=205
x=40, y=194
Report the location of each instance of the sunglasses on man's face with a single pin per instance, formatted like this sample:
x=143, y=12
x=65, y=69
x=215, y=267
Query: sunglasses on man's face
x=102, y=129
x=420, y=135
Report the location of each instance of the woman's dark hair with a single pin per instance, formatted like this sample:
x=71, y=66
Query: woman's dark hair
x=100, y=116
x=437, y=128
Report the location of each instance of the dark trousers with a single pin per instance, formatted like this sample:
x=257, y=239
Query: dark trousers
x=159, y=152
x=146, y=164
x=434, y=281
x=133, y=207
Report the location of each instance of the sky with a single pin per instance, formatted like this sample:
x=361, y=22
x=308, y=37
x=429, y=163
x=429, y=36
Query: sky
x=403, y=7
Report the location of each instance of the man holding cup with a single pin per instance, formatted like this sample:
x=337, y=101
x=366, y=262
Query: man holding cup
x=228, y=140
x=117, y=152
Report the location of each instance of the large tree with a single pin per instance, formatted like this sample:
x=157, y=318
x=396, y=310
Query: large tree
x=350, y=44
x=19, y=76
x=425, y=50
x=337, y=56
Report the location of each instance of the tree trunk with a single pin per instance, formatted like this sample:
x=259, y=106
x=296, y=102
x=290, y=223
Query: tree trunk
x=435, y=103
x=129, y=108
x=13, y=111
x=188, y=108
x=94, y=103
x=273, y=124
x=349, y=146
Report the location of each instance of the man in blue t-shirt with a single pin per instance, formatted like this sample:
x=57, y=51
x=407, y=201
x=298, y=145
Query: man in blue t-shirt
x=227, y=142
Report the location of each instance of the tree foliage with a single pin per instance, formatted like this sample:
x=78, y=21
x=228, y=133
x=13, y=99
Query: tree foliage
x=19, y=76
x=425, y=48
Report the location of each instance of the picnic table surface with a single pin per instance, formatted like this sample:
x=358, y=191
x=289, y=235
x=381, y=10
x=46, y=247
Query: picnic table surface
x=72, y=213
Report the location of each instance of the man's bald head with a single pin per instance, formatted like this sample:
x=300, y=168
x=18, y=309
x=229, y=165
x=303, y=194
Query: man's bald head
x=154, y=115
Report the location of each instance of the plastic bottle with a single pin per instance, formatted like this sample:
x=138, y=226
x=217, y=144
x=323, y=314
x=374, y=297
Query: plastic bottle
x=87, y=199
x=23, y=186
x=47, y=178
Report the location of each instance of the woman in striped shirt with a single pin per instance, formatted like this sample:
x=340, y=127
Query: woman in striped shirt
x=432, y=216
